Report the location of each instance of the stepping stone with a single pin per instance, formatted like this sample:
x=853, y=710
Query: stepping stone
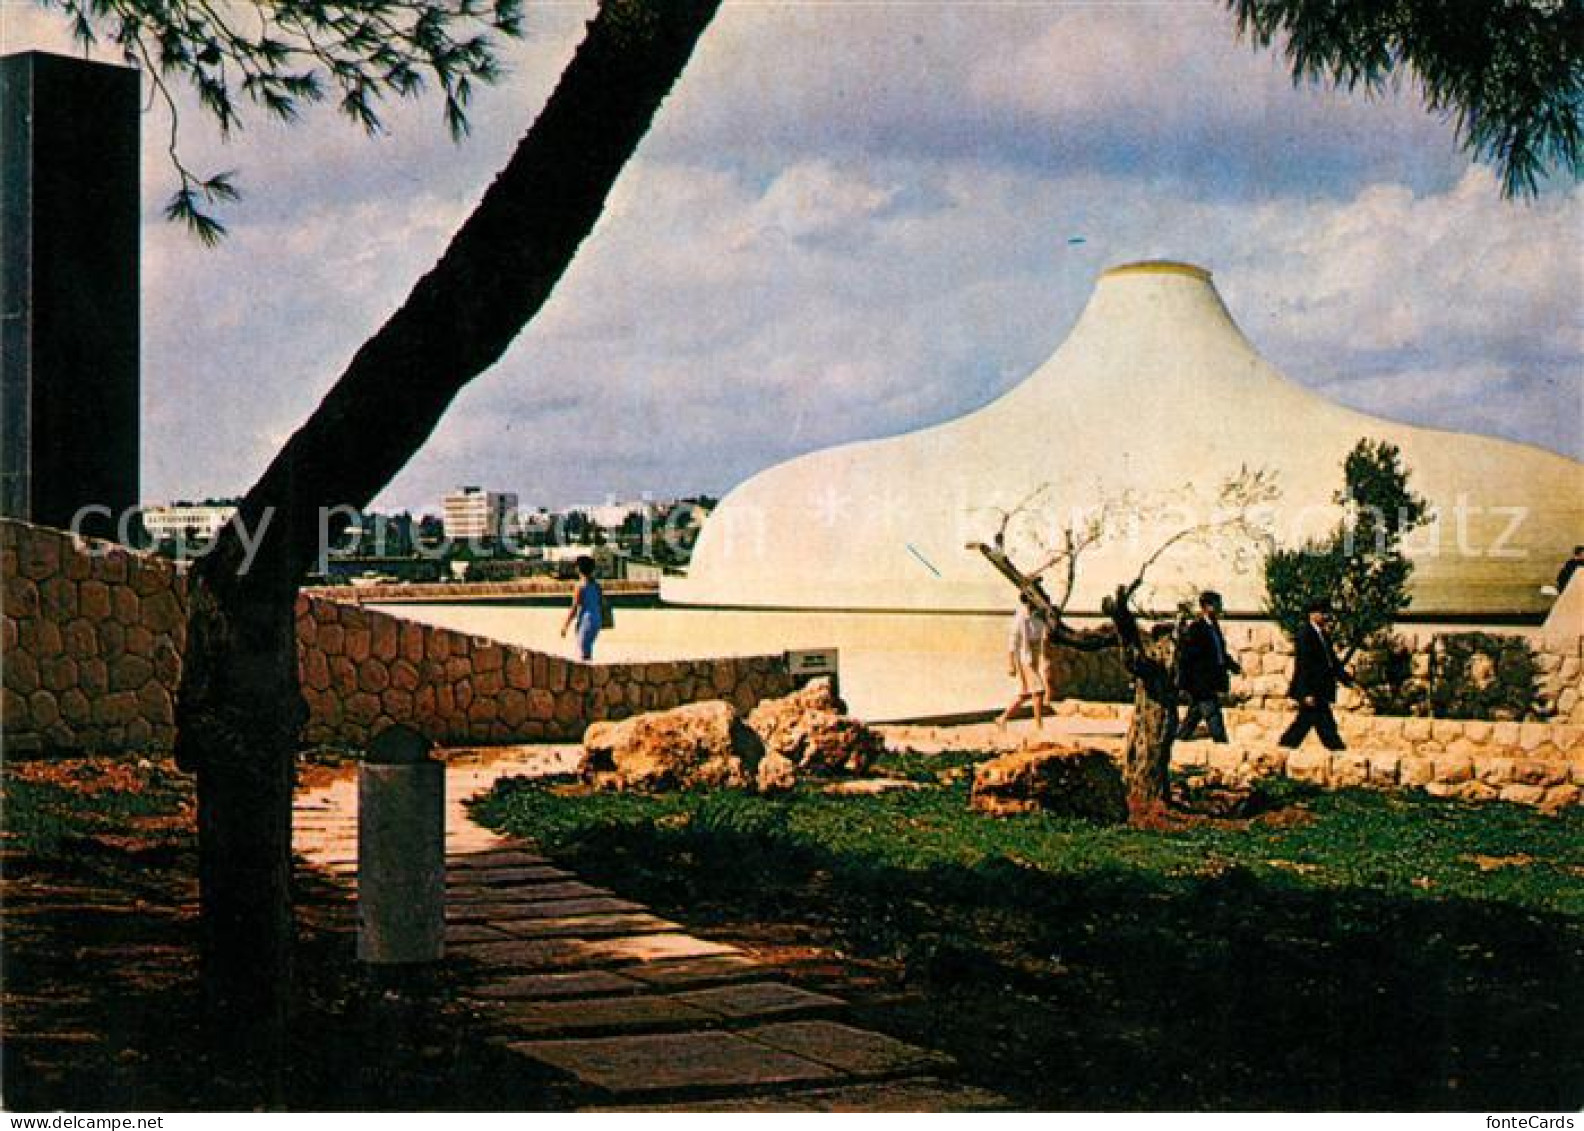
x=463, y=933
x=527, y=893
x=758, y=999
x=585, y=926
x=654, y=948
x=666, y=1062
x=855, y=1051
x=570, y=908
x=500, y=877
x=525, y=954
x=572, y=983
x=543, y=954
x=925, y=1094
x=500, y=858
x=482, y=912
x=597, y=1015
x=697, y=972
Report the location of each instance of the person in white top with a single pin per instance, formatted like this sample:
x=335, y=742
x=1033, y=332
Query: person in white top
x=1028, y=660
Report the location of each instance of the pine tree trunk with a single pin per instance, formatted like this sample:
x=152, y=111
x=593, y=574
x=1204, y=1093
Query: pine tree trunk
x=240, y=710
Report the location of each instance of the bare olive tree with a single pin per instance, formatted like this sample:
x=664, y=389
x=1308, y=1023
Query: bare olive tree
x=1234, y=524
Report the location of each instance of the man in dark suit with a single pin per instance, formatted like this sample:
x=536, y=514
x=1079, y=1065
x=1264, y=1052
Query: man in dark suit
x=1203, y=669
x=1316, y=673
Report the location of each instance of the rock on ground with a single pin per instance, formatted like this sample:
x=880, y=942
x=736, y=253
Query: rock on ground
x=776, y=774
x=811, y=730
x=1072, y=781
x=697, y=746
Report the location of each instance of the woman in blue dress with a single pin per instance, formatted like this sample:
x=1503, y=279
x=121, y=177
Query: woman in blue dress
x=588, y=609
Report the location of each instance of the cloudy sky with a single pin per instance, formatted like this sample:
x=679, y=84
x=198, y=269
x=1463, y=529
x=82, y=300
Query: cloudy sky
x=853, y=220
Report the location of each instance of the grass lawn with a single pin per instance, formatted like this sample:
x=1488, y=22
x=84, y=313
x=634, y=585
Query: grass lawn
x=1346, y=950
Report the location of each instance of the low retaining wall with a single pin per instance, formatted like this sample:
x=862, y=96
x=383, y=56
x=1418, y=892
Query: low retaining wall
x=1527, y=763
x=1265, y=654
x=94, y=635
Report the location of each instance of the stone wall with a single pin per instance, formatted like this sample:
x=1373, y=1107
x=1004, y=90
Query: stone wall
x=363, y=669
x=94, y=633
x=1534, y=763
x=1265, y=654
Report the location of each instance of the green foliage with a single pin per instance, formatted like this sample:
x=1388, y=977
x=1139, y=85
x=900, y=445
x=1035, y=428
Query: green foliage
x=1479, y=675
x=1384, y=671
x=1359, y=567
x=1509, y=71
x=287, y=54
x=1408, y=845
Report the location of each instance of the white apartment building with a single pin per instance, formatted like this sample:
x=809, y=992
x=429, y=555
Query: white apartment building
x=474, y=513
x=172, y=522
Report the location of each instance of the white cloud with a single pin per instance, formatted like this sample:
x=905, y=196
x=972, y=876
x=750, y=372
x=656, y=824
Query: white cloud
x=855, y=220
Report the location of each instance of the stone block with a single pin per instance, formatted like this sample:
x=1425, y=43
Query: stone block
x=43, y=709
x=1349, y=769
x=412, y=643
x=373, y=676
x=1473, y=791
x=359, y=644
x=1415, y=770
x=1494, y=770
x=1531, y=735
x=1535, y=771
x=74, y=707
x=1561, y=796
x=116, y=708
x=671, y=1062
x=162, y=612
x=1383, y=767
x=94, y=600
x=1504, y=733
x=384, y=638
x=1225, y=758
x=397, y=705
x=156, y=704
x=58, y=598
x=858, y=1052
x=541, y=705
x=1310, y=766
x=1417, y=730
x=1477, y=730
x=1520, y=794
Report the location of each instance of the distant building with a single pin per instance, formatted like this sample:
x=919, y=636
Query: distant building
x=188, y=522
x=474, y=514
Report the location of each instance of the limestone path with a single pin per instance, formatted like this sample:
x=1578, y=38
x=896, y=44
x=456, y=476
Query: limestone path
x=639, y=1013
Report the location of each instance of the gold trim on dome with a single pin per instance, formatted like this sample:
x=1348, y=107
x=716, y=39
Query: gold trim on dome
x=1158, y=267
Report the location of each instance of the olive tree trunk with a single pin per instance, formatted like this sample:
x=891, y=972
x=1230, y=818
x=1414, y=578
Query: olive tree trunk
x=240, y=710
x=1148, y=654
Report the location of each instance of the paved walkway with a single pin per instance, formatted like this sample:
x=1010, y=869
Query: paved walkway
x=641, y=1014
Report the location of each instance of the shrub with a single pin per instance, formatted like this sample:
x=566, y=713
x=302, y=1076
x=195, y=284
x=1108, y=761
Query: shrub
x=1384, y=670
x=1479, y=675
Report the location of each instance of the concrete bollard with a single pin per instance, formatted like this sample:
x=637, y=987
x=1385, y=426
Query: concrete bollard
x=401, y=850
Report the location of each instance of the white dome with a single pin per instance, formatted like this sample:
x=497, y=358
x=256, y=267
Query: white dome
x=1156, y=388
